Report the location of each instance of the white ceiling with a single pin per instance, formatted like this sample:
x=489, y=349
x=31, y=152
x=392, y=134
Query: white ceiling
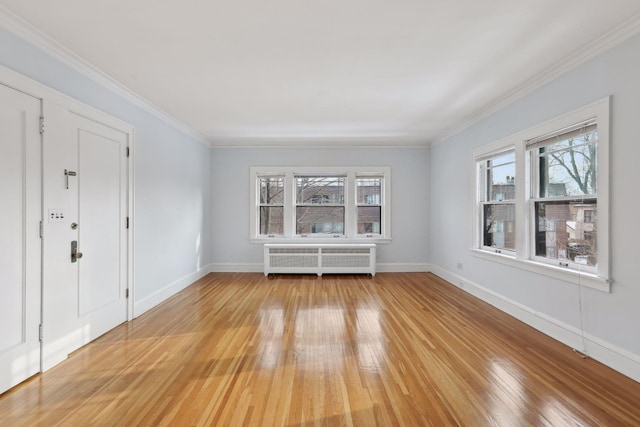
x=254, y=72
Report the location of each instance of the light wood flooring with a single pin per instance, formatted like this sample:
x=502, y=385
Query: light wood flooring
x=398, y=349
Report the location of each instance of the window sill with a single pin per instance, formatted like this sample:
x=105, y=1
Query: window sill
x=571, y=276
x=337, y=240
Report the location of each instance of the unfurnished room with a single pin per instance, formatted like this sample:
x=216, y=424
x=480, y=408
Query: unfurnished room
x=295, y=213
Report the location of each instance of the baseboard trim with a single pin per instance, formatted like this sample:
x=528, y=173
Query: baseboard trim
x=236, y=267
x=604, y=352
x=404, y=267
x=147, y=303
x=380, y=268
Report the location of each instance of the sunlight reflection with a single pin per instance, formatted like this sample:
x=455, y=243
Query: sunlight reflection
x=371, y=342
x=507, y=393
x=555, y=413
x=319, y=336
x=271, y=331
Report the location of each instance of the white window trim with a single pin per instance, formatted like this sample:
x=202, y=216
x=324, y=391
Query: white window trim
x=523, y=257
x=351, y=226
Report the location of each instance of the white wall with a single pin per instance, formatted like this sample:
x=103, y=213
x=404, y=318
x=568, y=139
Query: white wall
x=172, y=176
x=611, y=320
x=230, y=198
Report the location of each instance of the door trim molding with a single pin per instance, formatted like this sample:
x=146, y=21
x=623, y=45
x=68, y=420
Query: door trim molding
x=49, y=96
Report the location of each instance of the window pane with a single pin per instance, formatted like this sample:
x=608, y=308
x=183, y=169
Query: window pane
x=501, y=177
x=499, y=229
x=271, y=190
x=501, y=159
x=271, y=220
x=502, y=181
x=369, y=219
x=320, y=190
x=568, y=167
x=566, y=231
x=320, y=219
x=369, y=191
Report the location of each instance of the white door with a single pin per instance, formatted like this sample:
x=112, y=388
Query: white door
x=86, y=185
x=20, y=245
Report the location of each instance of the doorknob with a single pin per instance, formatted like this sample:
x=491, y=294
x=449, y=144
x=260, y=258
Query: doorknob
x=75, y=255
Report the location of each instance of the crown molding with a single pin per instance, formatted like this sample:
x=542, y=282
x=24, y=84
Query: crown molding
x=332, y=142
x=21, y=28
x=619, y=34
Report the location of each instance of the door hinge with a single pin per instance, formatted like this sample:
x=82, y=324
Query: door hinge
x=40, y=332
x=41, y=229
x=127, y=222
x=127, y=293
x=127, y=151
x=41, y=124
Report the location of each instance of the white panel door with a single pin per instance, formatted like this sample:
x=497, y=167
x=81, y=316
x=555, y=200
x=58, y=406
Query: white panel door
x=20, y=248
x=86, y=180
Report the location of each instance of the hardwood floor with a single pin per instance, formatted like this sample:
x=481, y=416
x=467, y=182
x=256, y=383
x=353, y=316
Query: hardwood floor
x=398, y=349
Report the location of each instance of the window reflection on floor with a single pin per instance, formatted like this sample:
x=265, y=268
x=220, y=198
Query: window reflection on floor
x=319, y=337
x=272, y=330
x=508, y=396
x=371, y=342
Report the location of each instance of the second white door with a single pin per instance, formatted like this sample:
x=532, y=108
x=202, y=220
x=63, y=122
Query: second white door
x=85, y=244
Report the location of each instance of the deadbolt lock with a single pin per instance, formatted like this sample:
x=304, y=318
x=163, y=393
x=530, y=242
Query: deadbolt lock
x=75, y=255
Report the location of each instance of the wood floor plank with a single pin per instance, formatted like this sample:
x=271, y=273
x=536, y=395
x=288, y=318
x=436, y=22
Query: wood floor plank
x=398, y=349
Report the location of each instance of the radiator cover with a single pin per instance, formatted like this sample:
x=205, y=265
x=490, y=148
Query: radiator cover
x=309, y=258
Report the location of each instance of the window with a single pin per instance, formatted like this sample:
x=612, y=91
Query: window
x=564, y=187
x=301, y=203
x=320, y=205
x=369, y=206
x=271, y=205
x=588, y=216
x=497, y=176
x=542, y=198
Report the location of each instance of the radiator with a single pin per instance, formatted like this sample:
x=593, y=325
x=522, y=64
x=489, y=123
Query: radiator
x=318, y=259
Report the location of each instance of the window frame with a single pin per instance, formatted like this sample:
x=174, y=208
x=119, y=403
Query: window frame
x=380, y=203
x=311, y=204
x=483, y=199
x=524, y=255
x=536, y=189
x=350, y=203
x=267, y=205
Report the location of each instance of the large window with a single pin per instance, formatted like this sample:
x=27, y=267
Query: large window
x=301, y=203
x=320, y=205
x=542, y=198
x=564, y=194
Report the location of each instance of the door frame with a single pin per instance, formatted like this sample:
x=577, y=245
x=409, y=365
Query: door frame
x=48, y=95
